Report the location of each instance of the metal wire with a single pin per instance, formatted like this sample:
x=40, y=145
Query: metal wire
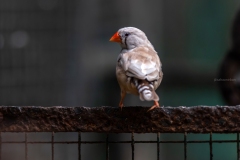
x=238, y=146
x=210, y=143
x=104, y=142
x=79, y=145
x=107, y=148
x=0, y=145
x=158, y=146
x=132, y=142
x=26, y=146
x=52, y=142
x=185, y=145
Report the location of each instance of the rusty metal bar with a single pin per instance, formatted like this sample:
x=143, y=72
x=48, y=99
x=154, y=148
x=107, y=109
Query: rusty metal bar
x=201, y=119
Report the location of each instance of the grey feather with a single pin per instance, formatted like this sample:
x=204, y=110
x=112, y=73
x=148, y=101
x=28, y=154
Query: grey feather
x=140, y=61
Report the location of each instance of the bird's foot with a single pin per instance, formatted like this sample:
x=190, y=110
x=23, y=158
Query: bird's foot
x=121, y=105
x=156, y=105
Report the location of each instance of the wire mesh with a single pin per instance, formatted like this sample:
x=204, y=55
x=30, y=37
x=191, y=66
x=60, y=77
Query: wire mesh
x=108, y=141
x=58, y=133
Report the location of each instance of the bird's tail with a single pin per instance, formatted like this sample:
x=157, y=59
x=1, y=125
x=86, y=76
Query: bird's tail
x=146, y=91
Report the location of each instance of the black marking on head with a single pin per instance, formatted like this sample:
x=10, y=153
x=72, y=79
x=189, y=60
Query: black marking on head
x=125, y=42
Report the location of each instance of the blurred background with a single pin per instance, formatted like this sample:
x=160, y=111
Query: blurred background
x=57, y=52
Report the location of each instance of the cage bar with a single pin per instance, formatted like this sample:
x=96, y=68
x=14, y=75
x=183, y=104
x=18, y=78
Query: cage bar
x=0, y=145
x=114, y=142
x=107, y=147
x=26, y=146
x=210, y=146
x=185, y=145
x=237, y=146
x=52, y=143
x=158, y=146
x=132, y=142
x=132, y=145
x=112, y=120
x=199, y=119
x=79, y=145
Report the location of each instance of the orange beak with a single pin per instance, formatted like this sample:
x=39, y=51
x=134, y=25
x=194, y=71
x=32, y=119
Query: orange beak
x=116, y=38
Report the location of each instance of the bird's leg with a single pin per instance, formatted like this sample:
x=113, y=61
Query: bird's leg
x=156, y=105
x=123, y=94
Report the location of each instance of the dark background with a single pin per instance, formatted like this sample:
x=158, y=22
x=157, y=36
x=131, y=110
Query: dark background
x=57, y=52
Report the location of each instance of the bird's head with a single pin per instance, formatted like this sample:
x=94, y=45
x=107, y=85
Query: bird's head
x=130, y=37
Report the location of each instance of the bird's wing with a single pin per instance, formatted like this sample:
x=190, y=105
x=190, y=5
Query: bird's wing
x=141, y=63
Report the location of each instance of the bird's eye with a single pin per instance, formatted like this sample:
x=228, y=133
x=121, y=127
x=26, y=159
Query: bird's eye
x=126, y=34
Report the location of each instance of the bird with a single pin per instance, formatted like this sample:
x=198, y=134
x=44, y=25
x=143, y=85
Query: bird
x=138, y=67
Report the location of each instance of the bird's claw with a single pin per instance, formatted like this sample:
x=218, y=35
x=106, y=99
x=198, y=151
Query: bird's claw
x=156, y=105
x=121, y=106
